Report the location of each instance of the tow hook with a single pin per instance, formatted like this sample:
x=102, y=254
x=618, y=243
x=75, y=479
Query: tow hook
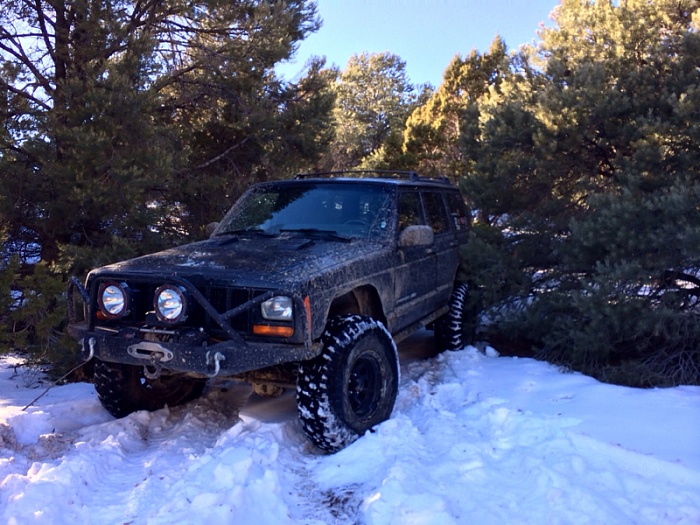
x=155, y=364
x=217, y=358
x=91, y=344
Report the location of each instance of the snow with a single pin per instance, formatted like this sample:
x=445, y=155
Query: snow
x=474, y=438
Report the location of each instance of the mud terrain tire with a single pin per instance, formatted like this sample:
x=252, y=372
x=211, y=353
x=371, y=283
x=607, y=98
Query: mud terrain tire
x=449, y=329
x=351, y=386
x=123, y=389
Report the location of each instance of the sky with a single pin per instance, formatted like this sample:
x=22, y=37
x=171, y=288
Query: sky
x=426, y=34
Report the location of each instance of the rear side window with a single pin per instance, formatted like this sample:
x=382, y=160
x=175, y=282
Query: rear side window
x=458, y=211
x=436, y=212
x=410, y=213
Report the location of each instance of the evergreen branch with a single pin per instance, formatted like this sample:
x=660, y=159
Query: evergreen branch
x=17, y=149
x=172, y=78
x=25, y=95
x=42, y=23
x=222, y=155
x=672, y=276
x=227, y=31
x=142, y=9
x=20, y=55
x=46, y=391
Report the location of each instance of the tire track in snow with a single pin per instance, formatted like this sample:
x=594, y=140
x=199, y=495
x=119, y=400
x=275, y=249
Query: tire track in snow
x=213, y=457
x=144, y=453
x=471, y=439
x=491, y=461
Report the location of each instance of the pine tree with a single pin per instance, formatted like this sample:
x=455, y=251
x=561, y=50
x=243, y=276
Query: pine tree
x=116, y=114
x=373, y=99
x=586, y=159
x=128, y=126
x=433, y=131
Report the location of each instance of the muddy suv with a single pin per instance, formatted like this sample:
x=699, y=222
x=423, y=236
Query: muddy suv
x=306, y=283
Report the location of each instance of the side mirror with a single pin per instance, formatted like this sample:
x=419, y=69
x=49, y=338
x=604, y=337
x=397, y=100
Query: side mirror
x=211, y=228
x=419, y=235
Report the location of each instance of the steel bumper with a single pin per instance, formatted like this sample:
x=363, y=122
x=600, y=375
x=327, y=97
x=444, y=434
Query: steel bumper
x=227, y=358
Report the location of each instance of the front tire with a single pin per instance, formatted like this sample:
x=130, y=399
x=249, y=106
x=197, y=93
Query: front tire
x=123, y=389
x=351, y=386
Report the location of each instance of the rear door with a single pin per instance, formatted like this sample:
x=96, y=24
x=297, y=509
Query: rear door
x=446, y=250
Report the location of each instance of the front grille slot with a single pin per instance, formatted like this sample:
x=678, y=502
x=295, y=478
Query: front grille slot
x=225, y=299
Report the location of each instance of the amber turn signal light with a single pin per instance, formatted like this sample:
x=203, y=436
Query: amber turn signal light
x=278, y=331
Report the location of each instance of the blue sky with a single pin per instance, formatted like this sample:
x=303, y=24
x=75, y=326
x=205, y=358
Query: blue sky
x=426, y=34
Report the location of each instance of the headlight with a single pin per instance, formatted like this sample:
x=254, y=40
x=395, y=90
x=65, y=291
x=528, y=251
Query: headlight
x=113, y=299
x=170, y=303
x=277, y=309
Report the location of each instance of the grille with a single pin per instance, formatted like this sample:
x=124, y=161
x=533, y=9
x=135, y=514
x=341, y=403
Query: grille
x=221, y=298
x=224, y=299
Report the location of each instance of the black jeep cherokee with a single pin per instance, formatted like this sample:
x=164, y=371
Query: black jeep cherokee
x=306, y=282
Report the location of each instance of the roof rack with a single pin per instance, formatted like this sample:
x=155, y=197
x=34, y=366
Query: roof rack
x=398, y=174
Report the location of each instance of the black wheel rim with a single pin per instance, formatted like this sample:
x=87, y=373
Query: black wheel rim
x=364, y=387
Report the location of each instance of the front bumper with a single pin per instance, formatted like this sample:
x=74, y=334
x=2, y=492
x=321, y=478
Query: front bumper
x=226, y=358
x=188, y=351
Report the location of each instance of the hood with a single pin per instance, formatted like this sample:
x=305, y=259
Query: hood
x=248, y=261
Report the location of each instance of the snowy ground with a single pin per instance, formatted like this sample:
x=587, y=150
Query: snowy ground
x=474, y=439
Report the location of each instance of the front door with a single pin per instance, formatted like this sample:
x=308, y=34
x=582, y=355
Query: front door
x=415, y=275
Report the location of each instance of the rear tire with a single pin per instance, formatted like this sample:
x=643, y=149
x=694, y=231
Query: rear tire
x=123, y=389
x=351, y=386
x=449, y=329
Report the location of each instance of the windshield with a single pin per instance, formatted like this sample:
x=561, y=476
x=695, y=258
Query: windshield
x=353, y=210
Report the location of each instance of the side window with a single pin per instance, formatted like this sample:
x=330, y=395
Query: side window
x=458, y=211
x=436, y=212
x=409, y=210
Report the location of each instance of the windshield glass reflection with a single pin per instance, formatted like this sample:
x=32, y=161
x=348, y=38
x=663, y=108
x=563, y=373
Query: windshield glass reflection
x=347, y=210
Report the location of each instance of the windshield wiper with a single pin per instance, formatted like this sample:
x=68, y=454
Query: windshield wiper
x=252, y=231
x=316, y=233
x=233, y=235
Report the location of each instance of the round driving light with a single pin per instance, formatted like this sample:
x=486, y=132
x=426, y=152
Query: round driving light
x=113, y=299
x=170, y=303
